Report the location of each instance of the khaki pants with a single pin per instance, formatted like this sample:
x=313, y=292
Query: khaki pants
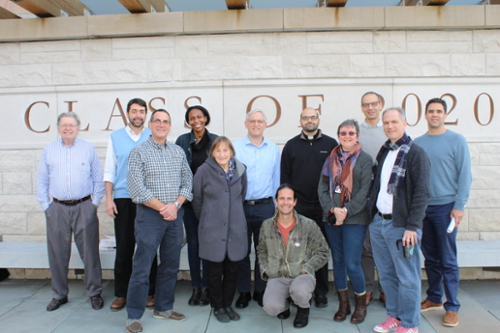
x=300, y=289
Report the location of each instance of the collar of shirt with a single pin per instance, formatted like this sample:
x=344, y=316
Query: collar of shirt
x=248, y=142
x=379, y=124
x=74, y=143
x=315, y=136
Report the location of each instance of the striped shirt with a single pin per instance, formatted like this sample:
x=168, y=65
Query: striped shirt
x=158, y=171
x=69, y=173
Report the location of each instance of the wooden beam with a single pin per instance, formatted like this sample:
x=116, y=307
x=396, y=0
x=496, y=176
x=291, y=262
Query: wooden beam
x=335, y=3
x=236, y=4
x=5, y=14
x=144, y=6
x=50, y=8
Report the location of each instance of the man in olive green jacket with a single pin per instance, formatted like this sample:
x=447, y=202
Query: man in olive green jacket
x=291, y=248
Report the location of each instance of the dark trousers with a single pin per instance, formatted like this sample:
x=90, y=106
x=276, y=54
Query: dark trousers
x=222, y=282
x=125, y=247
x=255, y=215
x=316, y=213
x=440, y=251
x=81, y=220
x=195, y=263
x=151, y=232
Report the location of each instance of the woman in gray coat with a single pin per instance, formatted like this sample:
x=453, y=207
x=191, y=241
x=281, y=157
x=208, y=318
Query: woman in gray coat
x=219, y=188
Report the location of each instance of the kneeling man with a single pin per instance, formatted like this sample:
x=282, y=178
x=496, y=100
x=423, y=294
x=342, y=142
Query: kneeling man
x=291, y=249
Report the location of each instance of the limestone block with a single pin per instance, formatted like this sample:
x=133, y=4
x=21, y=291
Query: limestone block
x=346, y=47
x=134, y=25
x=17, y=183
x=389, y=41
x=340, y=37
x=489, y=148
x=96, y=49
x=53, y=46
x=439, y=47
x=467, y=235
x=233, y=20
x=13, y=223
x=19, y=203
x=37, y=273
x=490, y=159
x=483, y=199
x=470, y=273
x=106, y=224
x=490, y=235
x=492, y=16
x=164, y=69
x=142, y=42
x=430, y=17
x=68, y=73
x=265, y=67
x=36, y=223
x=484, y=220
x=316, y=66
x=108, y=274
x=486, y=177
x=17, y=273
x=145, y=53
x=44, y=28
x=191, y=46
x=290, y=43
x=486, y=40
x=1, y=186
x=474, y=154
x=235, y=45
x=464, y=224
x=489, y=275
x=417, y=65
x=24, y=75
x=468, y=64
x=116, y=71
x=18, y=161
x=345, y=18
x=9, y=53
x=24, y=238
x=439, y=36
x=213, y=68
x=493, y=63
x=368, y=65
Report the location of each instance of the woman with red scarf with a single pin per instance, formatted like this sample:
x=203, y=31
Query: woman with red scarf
x=343, y=187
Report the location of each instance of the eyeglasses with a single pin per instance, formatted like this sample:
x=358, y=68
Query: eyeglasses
x=373, y=104
x=67, y=126
x=348, y=133
x=309, y=117
x=256, y=121
x=159, y=122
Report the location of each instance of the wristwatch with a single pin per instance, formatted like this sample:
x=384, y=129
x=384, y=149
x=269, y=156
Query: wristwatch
x=178, y=205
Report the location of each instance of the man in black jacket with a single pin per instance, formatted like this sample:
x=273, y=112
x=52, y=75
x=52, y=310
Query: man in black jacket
x=398, y=200
x=301, y=162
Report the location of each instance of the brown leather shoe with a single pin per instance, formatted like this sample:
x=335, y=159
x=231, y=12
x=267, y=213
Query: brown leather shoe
x=360, y=310
x=383, y=298
x=450, y=319
x=369, y=297
x=150, y=302
x=427, y=305
x=118, y=304
x=344, y=306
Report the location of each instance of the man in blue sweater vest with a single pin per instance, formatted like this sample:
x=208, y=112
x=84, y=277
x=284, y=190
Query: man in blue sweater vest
x=120, y=206
x=451, y=179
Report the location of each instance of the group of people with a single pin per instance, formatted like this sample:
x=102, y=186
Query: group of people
x=374, y=198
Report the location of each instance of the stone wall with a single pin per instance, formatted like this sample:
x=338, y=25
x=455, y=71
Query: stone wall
x=311, y=57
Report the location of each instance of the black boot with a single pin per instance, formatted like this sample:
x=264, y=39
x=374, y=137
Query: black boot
x=301, y=318
x=195, y=297
x=204, y=298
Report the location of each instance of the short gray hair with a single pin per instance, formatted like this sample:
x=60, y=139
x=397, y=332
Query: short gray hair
x=69, y=115
x=255, y=111
x=349, y=122
x=402, y=113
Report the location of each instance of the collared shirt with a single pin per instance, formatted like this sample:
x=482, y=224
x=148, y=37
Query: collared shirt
x=110, y=164
x=69, y=173
x=263, y=167
x=158, y=171
x=385, y=200
x=379, y=124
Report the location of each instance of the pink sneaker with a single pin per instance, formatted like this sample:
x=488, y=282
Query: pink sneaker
x=389, y=325
x=402, y=329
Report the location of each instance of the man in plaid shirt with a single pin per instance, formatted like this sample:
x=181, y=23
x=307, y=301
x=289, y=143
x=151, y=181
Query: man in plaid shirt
x=159, y=181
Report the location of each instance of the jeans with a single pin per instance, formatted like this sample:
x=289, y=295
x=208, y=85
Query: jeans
x=191, y=226
x=125, y=247
x=255, y=215
x=440, y=251
x=346, y=246
x=151, y=232
x=400, y=277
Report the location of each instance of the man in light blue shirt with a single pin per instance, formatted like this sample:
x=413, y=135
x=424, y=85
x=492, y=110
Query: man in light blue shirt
x=70, y=173
x=262, y=159
x=451, y=179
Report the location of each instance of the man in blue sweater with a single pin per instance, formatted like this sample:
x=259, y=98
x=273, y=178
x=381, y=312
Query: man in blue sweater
x=451, y=179
x=119, y=206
